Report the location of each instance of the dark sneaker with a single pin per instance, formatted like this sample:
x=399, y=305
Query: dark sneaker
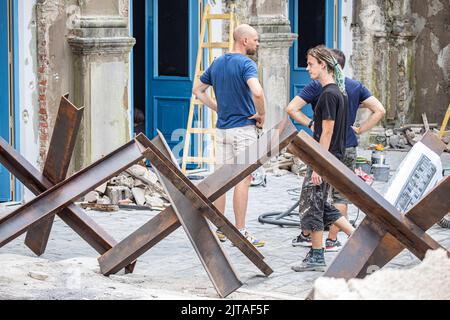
x=221, y=236
x=302, y=241
x=332, y=245
x=314, y=261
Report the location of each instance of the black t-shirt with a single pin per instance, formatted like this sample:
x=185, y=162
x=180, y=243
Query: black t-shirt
x=332, y=105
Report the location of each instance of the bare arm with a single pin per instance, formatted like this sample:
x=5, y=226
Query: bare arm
x=325, y=141
x=378, y=112
x=294, y=109
x=259, y=100
x=258, y=95
x=199, y=90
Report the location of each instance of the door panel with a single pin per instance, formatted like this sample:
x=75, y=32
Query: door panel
x=5, y=193
x=314, y=22
x=171, y=50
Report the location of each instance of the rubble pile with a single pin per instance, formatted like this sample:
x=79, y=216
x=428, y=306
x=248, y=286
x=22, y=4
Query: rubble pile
x=403, y=138
x=137, y=186
x=283, y=163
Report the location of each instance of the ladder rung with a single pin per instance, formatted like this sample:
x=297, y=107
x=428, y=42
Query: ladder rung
x=200, y=160
x=197, y=102
x=218, y=16
x=216, y=45
x=202, y=130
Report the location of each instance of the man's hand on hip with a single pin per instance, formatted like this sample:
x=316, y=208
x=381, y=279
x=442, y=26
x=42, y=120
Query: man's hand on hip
x=259, y=120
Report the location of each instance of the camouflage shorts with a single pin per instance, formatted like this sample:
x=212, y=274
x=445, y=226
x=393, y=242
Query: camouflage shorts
x=350, y=162
x=315, y=212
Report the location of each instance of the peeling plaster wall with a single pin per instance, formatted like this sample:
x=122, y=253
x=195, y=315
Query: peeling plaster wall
x=432, y=58
x=54, y=20
x=96, y=24
x=401, y=53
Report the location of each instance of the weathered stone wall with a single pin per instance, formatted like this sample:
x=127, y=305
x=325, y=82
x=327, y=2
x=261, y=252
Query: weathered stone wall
x=54, y=63
x=401, y=53
x=432, y=58
x=83, y=49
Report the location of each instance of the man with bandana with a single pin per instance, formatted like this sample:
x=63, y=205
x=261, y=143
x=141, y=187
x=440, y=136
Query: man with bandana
x=330, y=130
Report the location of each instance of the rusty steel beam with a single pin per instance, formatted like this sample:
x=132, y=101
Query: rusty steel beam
x=201, y=203
x=378, y=209
x=384, y=232
x=213, y=186
x=62, y=194
x=56, y=166
x=389, y=247
x=38, y=183
x=204, y=242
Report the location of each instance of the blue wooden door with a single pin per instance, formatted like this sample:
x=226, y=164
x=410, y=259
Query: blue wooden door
x=172, y=43
x=5, y=193
x=315, y=22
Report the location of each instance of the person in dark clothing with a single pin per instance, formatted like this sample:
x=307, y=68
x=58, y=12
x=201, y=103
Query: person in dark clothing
x=330, y=130
x=359, y=97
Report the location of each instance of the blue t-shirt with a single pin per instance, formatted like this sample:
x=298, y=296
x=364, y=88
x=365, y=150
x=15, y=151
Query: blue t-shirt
x=356, y=93
x=228, y=75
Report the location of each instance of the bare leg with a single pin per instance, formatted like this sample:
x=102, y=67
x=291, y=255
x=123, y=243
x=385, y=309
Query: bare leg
x=343, y=224
x=334, y=230
x=240, y=201
x=316, y=239
x=220, y=203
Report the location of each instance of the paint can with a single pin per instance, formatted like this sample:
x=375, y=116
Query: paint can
x=363, y=164
x=378, y=157
x=381, y=172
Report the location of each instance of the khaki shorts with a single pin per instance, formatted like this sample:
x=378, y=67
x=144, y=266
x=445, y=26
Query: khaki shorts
x=232, y=143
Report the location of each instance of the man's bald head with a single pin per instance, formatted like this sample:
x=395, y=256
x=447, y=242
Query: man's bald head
x=244, y=31
x=246, y=39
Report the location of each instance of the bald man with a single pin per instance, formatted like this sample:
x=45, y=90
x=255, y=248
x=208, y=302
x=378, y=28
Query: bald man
x=240, y=111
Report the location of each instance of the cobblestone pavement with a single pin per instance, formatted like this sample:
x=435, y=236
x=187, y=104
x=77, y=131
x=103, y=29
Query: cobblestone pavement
x=173, y=264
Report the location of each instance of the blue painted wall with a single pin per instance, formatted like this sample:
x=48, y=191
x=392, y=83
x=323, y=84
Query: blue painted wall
x=4, y=97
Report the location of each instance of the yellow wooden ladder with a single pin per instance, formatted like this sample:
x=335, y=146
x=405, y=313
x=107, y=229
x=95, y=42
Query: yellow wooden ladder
x=442, y=132
x=201, y=129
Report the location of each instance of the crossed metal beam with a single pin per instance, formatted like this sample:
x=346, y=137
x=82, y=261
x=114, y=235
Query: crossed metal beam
x=55, y=169
x=384, y=232
x=190, y=205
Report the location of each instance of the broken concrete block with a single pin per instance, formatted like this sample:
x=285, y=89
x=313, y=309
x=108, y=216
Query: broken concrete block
x=117, y=193
x=38, y=275
x=139, y=196
x=143, y=174
x=138, y=183
x=102, y=189
x=429, y=280
x=91, y=197
x=126, y=201
x=154, y=201
x=104, y=200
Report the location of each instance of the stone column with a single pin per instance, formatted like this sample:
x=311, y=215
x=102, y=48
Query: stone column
x=270, y=18
x=101, y=45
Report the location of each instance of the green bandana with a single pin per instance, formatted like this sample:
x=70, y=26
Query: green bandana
x=339, y=76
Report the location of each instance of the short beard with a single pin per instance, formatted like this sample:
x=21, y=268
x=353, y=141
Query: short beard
x=250, y=52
